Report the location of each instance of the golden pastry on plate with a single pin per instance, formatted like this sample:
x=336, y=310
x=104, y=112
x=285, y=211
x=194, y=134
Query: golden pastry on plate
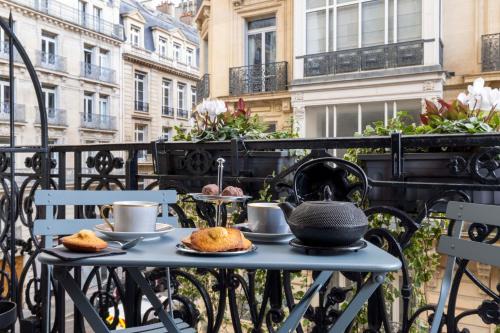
x=84, y=241
x=217, y=239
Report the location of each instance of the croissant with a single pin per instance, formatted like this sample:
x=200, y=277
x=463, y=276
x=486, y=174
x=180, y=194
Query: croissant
x=84, y=241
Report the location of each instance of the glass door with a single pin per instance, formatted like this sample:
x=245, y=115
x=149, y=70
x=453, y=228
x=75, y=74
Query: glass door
x=88, y=102
x=104, y=111
x=261, y=53
x=48, y=55
x=87, y=60
x=4, y=96
x=49, y=96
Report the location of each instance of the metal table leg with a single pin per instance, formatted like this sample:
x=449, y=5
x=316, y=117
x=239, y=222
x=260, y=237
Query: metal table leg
x=291, y=323
x=146, y=288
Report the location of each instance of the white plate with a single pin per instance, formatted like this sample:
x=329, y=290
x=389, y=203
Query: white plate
x=161, y=229
x=262, y=237
x=184, y=249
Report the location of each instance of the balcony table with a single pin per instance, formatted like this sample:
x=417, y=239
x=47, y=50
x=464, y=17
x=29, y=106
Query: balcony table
x=161, y=252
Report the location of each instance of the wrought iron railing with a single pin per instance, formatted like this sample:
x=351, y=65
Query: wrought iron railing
x=55, y=117
x=365, y=59
x=490, y=52
x=141, y=106
x=258, y=78
x=98, y=73
x=73, y=15
x=97, y=121
x=168, y=111
x=50, y=61
x=182, y=113
x=203, y=88
x=19, y=112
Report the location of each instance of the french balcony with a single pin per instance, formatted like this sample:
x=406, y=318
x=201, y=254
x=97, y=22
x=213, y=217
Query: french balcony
x=254, y=79
x=97, y=121
x=50, y=61
x=4, y=51
x=203, y=88
x=19, y=112
x=55, y=117
x=141, y=106
x=365, y=59
x=73, y=15
x=168, y=111
x=490, y=52
x=182, y=113
x=98, y=73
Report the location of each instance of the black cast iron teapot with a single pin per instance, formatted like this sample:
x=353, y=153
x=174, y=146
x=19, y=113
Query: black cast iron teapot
x=327, y=222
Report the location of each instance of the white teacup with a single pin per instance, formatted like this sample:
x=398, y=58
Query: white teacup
x=132, y=216
x=266, y=217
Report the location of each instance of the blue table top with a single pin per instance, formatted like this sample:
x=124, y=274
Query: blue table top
x=161, y=252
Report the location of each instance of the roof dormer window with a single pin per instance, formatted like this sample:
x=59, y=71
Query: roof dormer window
x=135, y=33
x=162, y=47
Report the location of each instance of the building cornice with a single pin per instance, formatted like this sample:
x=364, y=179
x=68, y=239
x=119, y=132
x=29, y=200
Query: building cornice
x=160, y=67
x=58, y=22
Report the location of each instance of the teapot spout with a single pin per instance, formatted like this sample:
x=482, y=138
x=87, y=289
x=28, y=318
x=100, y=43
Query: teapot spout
x=287, y=209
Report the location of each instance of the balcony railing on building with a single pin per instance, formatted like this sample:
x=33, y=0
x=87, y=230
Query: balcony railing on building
x=365, y=59
x=75, y=16
x=98, y=73
x=98, y=121
x=490, y=52
x=182, y=113
x=203, y=88
x=258, y=78
x=55, y=117
x=19, y=112
x=141, y=106
x=4, y=51
x=168, y=111
x=50, y=61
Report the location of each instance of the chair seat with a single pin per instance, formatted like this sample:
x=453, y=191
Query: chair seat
x=158, y=328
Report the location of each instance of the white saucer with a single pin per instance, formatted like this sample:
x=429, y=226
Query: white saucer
x=161, y=229
x=263, y=237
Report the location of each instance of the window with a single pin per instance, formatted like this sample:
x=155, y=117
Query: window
x=342, y=25
x=88, y=107
x=162, y=47
x=49, y=97
x=140, y=135
x=166, y=133
x=4, y=95
x=166, y=96
x=135, y=33
x=140, y=92
x=189, y=57
x=97, y=18
x=48, y=52
x=177, y=52
x=82, y=8
x=181, y=96
x=88, y=55
x=261, y=41
x=104, y=111
x=193, y=96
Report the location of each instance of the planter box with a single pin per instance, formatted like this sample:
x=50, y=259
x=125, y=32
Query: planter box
x=200, y=167
x=419, y=167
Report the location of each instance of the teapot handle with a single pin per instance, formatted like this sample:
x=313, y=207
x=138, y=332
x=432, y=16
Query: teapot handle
x=351, y=167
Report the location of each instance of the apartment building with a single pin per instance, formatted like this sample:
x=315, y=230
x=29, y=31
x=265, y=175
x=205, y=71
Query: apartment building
x=160, y=73
x=75, y=47
x=358, y=61
x=246, y=51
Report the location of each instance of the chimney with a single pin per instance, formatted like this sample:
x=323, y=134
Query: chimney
x=167, y=8
x=186, y=18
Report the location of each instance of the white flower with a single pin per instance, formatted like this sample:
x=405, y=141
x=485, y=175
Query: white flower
x=495, y=99
x=477, y=87
x=463, y=98
x=485, y=99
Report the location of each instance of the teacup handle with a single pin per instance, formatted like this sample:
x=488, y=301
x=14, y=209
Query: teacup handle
x=103, y=216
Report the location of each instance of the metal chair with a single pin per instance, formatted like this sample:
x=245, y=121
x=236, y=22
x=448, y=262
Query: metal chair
x=456, y=247
x=51, y=226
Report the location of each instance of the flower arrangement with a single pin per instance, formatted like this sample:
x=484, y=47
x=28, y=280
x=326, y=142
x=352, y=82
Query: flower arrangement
x=474, y=112
x=212, y=121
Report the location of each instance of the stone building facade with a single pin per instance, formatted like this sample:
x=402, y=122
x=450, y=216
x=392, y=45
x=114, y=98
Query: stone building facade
x=246, y=51
x=160, y=73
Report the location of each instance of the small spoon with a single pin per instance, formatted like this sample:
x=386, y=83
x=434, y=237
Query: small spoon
x=130, y=244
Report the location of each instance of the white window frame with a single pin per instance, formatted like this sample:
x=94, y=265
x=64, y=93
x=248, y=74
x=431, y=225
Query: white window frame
x=262, y=32
x=189, y=56
x=47, y=91
x=88, y=100
x=181, y=96
x=162, y=47
x=141, y=129
x=177, y=51
x=135, y=35
x=137, y=80
x=193, y=96
x=166, y=86
x=333, y=5
x=46, y=57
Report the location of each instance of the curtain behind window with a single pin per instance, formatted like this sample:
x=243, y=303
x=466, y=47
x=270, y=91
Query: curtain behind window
x=316, y=32
x=409, y=20
x=373, y=24
x=347, y=27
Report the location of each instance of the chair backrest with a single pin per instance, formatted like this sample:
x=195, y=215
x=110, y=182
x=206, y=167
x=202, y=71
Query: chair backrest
x=51, y=226
x=455, y=246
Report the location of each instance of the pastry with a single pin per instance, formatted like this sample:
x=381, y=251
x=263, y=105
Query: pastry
x=217, y=239
x=210, y=189
x=84, y=241
x=232, y=191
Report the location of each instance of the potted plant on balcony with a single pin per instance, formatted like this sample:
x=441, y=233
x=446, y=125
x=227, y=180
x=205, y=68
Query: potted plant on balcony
x=474, y=112
x=213, y=121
